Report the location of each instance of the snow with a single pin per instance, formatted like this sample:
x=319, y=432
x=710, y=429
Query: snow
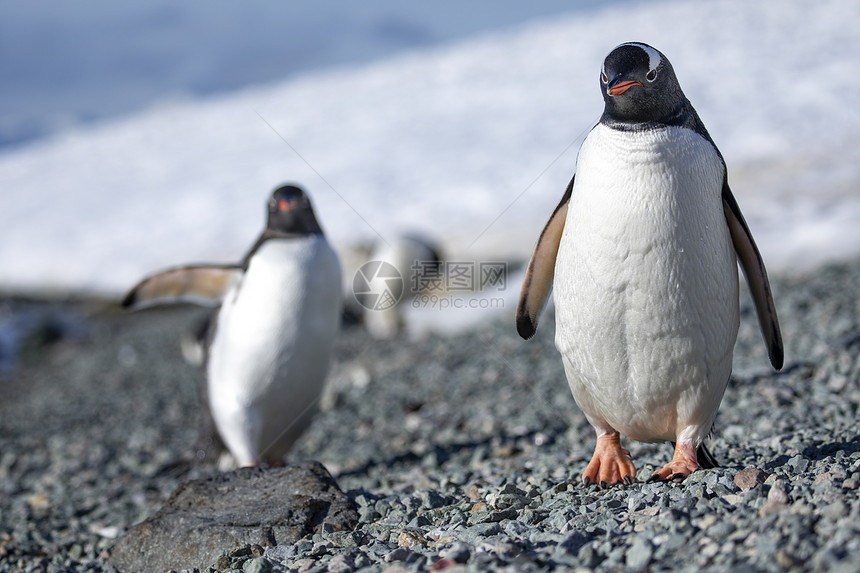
x=471, y=142
x=66, y=64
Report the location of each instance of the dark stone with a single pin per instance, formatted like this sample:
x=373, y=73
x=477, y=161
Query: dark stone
x=204, y=518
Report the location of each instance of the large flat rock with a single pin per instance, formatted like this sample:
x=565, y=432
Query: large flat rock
x=204, y=518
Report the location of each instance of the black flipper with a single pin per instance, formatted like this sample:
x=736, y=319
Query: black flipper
x=539, y=274
x=756, y=275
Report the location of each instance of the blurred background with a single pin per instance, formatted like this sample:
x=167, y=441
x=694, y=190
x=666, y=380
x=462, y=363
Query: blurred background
x=134, y=137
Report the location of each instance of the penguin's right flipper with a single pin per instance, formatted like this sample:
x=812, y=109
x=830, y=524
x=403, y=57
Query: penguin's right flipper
x=539, y=274
x=198, y=284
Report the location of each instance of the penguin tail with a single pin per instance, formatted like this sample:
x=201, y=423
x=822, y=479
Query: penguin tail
x=705, y=458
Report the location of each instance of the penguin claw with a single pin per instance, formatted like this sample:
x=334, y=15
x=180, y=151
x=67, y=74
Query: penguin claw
x=683, y=464
x=610, y=464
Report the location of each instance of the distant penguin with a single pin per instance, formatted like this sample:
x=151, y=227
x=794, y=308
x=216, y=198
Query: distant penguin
x=270, y=343
x=644, y=249
x=412, y=256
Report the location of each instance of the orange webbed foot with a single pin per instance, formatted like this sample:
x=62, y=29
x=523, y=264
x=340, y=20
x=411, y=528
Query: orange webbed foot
x=684, y=462
x=610, y=464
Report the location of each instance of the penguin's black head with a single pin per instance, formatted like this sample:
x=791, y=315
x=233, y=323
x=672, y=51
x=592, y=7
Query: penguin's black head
x=290, y=211
x=639, y=86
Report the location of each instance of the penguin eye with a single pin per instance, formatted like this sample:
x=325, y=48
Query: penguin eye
x=603, y=77
x=652, y=75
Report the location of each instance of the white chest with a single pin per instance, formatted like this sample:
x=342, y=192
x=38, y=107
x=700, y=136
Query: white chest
x=640, y=191
x=276, y=326
x=646, y=278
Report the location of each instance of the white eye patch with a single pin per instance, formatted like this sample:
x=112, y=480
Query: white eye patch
x=654, y=57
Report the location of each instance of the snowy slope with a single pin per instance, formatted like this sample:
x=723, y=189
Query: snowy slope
x=67, y=64
x=472, y=143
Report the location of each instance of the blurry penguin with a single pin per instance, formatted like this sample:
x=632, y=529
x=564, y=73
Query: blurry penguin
x=269, y=345
x=414, y=259
x=642, y=252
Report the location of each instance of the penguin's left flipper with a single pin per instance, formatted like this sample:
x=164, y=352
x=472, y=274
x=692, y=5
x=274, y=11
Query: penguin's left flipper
x=539, y=274
x=197, y=284
x=756, y=276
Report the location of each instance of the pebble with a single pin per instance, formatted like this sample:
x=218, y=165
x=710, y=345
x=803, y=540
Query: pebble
x=257, y=565
x=458, y=552
x=749, y=478
x=399, y=554
x=639, y=554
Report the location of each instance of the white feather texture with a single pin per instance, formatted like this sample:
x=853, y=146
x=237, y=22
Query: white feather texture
x=272, y=346
x=646, y=284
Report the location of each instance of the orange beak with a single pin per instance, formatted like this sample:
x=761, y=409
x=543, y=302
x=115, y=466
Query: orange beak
x=616, y=89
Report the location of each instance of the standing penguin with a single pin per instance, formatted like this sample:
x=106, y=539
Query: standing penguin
x=270, y=343
x=644, y=248
x=412, y=255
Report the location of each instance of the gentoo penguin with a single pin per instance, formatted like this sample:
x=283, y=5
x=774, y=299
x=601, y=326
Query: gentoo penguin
x=270, y=342
x=644, y=248
x=412, y=256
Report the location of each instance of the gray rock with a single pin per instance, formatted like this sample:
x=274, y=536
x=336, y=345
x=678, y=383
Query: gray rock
x=419, y=521
x=204, y=517
x=516, y=528
x=399, y=554
x=431, y=499
x=721, y=530
x=777, y=493
x=281, y=552
x=639, y=554
x=257, y=565
x=480, y=531
x=341, y=564
x=798, y=464
x=459, y=552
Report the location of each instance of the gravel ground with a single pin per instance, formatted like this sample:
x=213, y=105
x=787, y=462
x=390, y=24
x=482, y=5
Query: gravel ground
x=461, y=452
